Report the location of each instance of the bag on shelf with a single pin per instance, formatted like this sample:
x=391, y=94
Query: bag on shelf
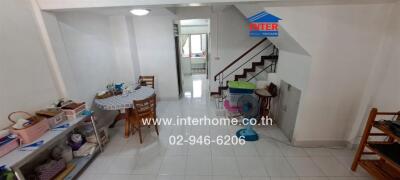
x=27, y=127
x=75, y=141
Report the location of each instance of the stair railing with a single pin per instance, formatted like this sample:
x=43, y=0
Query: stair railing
x=248, y=60
x=272, y=66
x=237, y=59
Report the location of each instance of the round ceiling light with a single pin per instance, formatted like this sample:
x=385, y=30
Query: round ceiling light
x=195, y=4
x=140, y=12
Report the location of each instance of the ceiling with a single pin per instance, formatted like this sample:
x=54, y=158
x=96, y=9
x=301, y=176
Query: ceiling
x=170, y=9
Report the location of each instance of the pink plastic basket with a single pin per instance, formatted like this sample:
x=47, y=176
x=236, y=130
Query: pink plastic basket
x=32, y=132
x=10, y=146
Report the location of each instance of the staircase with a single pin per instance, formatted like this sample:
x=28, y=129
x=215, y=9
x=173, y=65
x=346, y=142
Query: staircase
x=267, y=63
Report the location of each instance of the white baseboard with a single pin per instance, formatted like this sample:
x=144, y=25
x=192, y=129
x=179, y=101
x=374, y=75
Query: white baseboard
x=167, y=98
x=321, y=143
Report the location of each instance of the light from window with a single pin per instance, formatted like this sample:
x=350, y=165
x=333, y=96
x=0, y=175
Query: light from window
x=195, y=42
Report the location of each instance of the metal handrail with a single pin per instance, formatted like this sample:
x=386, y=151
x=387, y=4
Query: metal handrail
x=269, y=45
x=269, y=66
x=272, y=65
x=240, y=57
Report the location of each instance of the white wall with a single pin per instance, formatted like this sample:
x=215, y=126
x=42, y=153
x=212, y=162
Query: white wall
x=229, y=38
x=91, y=63
x=343, y=41
x=25, y=78
x=383, y=89
x=156, y=52
x=294, y=69
x=92, y=51
x=387, y=97
x=133, y=47
x=193, y=12
x=194, y=29
x=122, y=48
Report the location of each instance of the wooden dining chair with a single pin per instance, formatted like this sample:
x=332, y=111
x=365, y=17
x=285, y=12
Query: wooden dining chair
x=144, y=111
x=147, y=80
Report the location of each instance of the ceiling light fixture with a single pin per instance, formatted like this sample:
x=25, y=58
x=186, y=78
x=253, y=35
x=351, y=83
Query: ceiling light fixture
x=140, y=12
x=195, y=4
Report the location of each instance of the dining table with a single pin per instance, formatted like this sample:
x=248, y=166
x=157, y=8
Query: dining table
x=124, y=104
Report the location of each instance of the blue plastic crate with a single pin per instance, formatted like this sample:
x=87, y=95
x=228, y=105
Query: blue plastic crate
x=241, y=91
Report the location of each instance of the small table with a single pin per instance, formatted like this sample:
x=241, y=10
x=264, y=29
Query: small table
x=265, y=97
x=124, y=103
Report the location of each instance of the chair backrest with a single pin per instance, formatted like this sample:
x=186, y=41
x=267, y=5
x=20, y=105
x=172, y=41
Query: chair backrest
x=148, y=80
x=145, y=108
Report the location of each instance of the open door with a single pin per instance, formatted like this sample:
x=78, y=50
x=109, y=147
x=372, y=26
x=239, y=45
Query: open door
x=177, y=56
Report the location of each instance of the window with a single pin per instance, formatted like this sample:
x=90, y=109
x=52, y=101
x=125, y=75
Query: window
x=194, y=45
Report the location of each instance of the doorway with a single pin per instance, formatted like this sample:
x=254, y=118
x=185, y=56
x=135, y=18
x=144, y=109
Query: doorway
x=193, y=51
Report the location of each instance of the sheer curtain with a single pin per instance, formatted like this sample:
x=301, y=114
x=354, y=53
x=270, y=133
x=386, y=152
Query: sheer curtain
x=185, y=49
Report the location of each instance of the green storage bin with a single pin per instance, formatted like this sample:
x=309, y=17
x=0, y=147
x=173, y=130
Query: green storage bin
x=241, y=87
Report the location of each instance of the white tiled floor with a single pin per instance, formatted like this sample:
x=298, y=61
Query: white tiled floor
x=265, y=159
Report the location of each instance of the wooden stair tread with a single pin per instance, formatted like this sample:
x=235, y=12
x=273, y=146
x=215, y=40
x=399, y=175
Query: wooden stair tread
x=379, y=169
x=388, y=151
x=271, y=57
x=383, y=126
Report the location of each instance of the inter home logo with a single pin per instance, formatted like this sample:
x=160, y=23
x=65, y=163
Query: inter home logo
x=263, y=24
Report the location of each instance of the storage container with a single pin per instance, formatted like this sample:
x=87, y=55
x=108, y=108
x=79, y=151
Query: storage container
x=9, y=146
x=32, y=132
x=241, y=87
x=73, y=110
x=54, y=118
x=54, y=121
